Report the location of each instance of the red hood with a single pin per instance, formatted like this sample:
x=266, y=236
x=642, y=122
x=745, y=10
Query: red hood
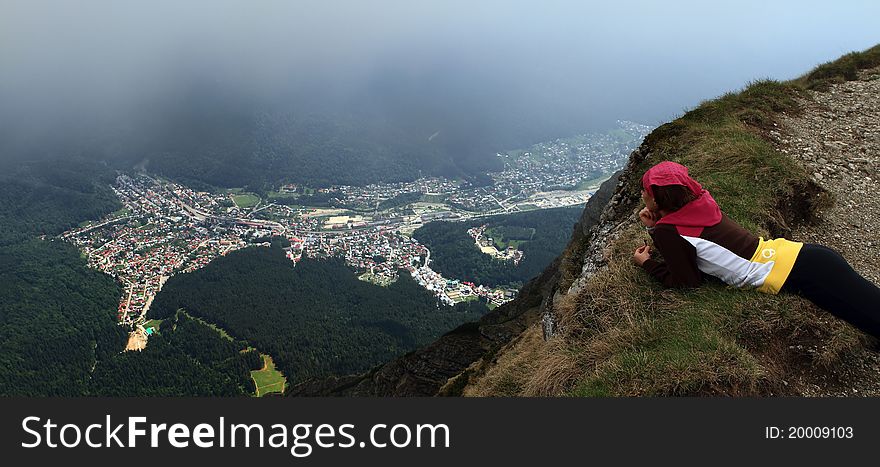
x=692, y=217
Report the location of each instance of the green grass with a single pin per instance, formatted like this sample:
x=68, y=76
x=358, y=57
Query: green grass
x=121, y=212
x=514, y=243
x=590, y=184
x=684, y=353
x=280, y=195
x=246, y=200
x=501, y=242
x=213, y=326
x=376, y=280
x=268, y=380
x=468, y=298
x=843, y=69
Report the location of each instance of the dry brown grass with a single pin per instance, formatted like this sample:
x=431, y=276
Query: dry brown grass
x=554, y=370
x=516, y=362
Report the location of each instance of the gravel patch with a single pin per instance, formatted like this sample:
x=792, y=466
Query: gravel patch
x=837, y=138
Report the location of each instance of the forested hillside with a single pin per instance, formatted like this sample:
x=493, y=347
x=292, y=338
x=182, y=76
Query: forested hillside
x=315, y=318
x=49, y=196
x=185, y=358
x=454, y=254
x=57, y=317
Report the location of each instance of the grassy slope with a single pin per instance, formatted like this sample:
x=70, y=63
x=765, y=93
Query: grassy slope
x=268, y=379
x=623, y=334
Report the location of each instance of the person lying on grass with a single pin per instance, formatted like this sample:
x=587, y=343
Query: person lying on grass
x=695, y=237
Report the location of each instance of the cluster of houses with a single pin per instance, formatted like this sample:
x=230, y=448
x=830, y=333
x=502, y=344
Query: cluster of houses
x=167, y=228
x=561, y=164
x=158, y=238
x=368, y=196
x=384, y=253
x=487, y=246
x=451, y=291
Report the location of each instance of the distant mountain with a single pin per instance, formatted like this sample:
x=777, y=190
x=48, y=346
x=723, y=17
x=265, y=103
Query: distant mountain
x=205, y=132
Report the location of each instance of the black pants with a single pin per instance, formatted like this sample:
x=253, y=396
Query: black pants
x=824, y=277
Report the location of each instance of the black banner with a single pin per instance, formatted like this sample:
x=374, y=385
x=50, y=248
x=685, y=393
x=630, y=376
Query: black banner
x=493, y=431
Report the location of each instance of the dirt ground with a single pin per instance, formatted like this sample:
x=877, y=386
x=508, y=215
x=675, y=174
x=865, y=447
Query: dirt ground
x=137, y=340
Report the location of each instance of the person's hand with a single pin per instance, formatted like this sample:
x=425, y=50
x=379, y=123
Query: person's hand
x=642, y=254
x=648, y=217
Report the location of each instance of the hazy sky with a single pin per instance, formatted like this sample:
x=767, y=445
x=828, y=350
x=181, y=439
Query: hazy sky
x=568, y=65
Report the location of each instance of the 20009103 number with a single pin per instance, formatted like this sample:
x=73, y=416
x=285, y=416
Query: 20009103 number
x=820, y=432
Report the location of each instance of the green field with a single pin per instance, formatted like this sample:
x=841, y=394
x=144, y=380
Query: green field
x=121, y=212
x=268, y=379
x=246, y=200
x=153, y=323
x=513, y=243
x=590, y=184
x=505, y=236
x=374, y=279
x=468, y=298
x=278, y=194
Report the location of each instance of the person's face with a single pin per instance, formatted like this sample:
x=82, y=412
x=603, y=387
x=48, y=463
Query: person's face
x=649, y=200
